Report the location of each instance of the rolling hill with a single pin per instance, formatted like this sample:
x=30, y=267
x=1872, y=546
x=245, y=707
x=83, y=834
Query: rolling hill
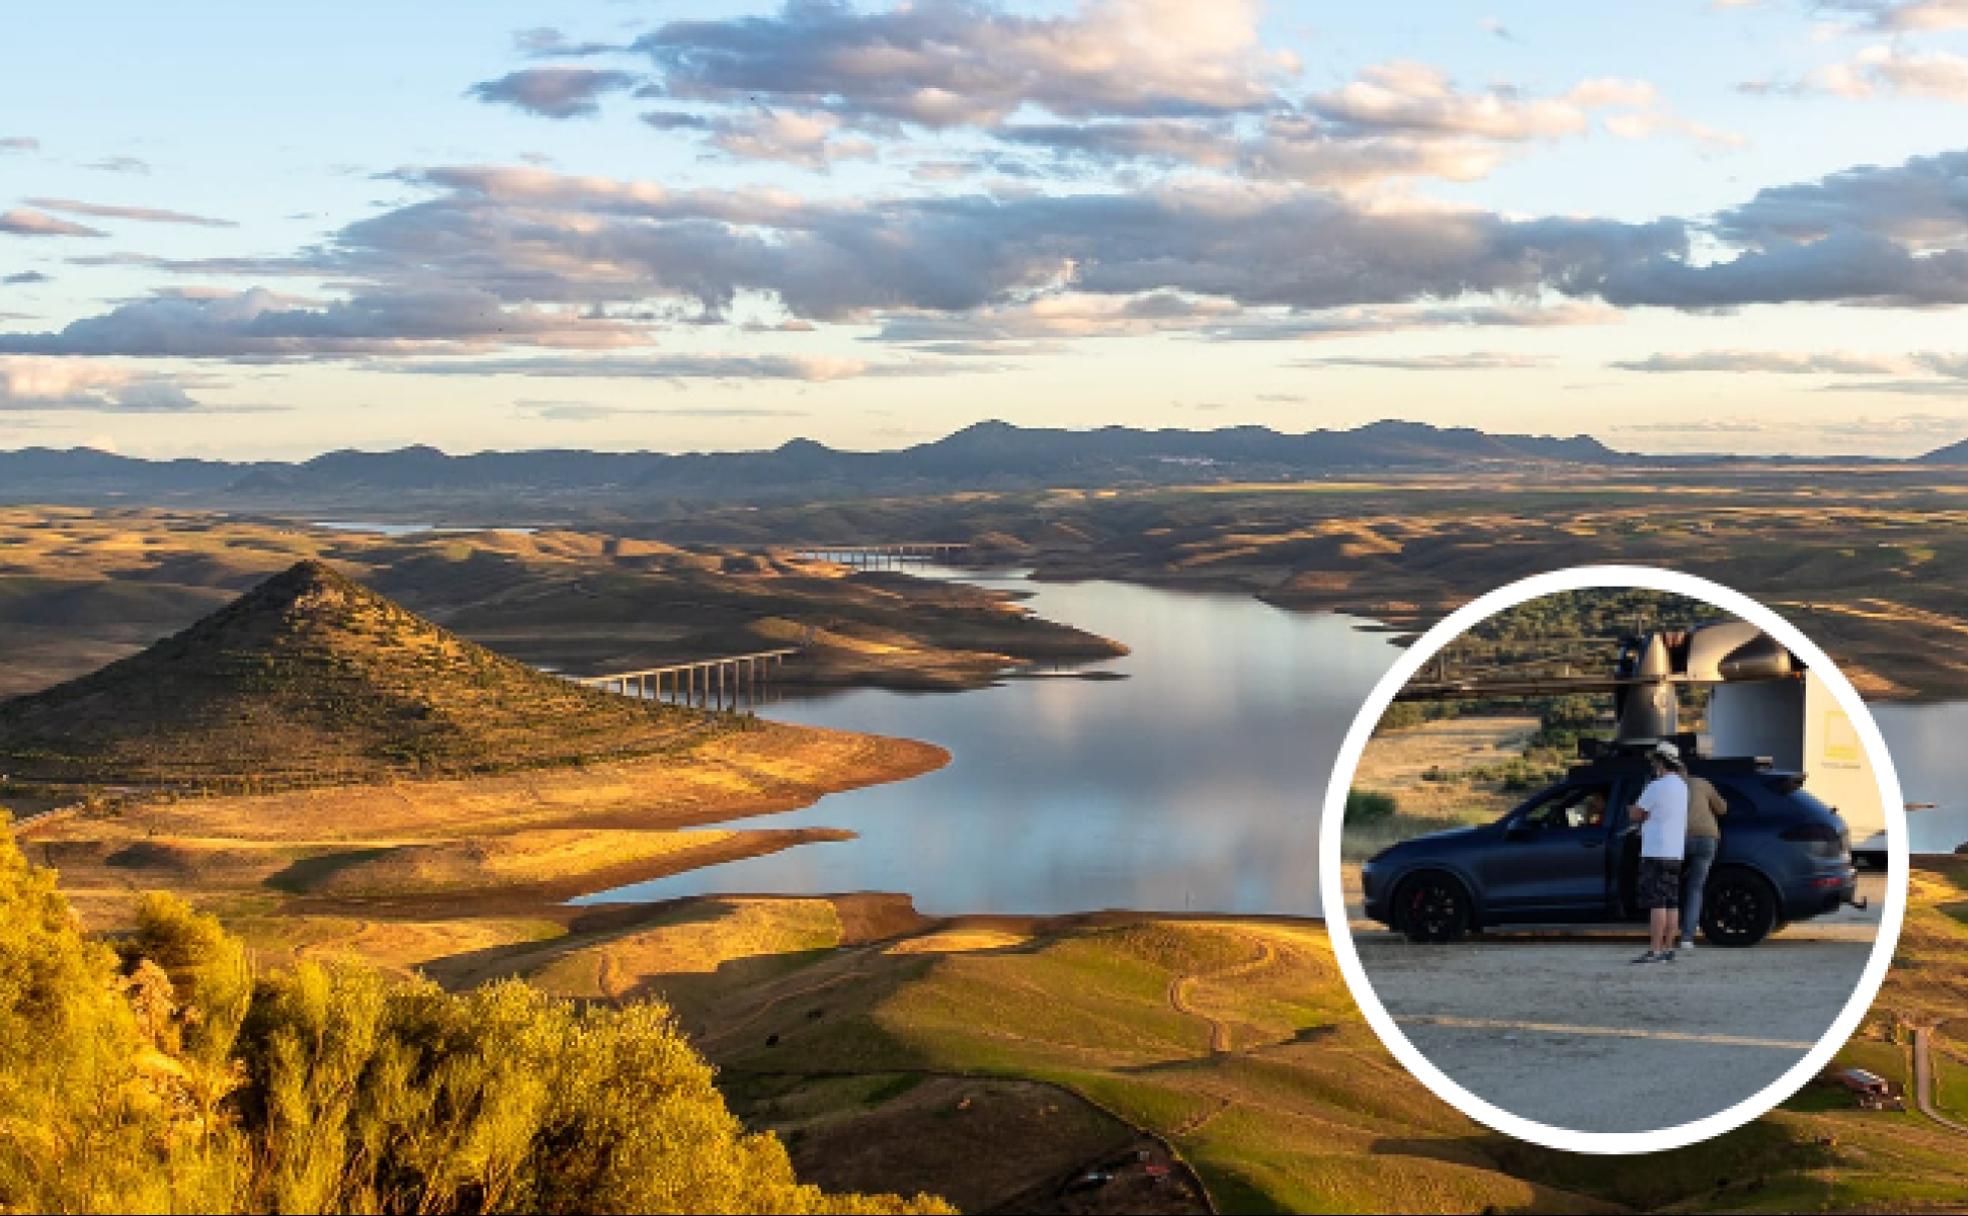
x=311, y=678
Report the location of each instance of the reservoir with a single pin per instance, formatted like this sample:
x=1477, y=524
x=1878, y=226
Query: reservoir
x=1193, y=784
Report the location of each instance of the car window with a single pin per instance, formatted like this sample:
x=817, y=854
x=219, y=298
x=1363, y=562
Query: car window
x=1570, y=809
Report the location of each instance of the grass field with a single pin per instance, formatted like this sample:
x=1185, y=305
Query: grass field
x=504, y=844
x=1849, y=555
x=1233, y=1042
x=1428, y=769
x=991, y=1058
x=79, y=588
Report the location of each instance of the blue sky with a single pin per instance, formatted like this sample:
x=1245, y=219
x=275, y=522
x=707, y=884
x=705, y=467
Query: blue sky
x=270, y=230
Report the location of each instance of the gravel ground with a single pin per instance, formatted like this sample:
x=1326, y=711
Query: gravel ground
x=1560, y=1028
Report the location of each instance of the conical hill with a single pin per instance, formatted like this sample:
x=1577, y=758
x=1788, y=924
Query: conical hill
x=311, y=678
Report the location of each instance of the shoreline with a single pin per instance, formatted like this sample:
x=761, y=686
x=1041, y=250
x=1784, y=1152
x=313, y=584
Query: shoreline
x=512, y=844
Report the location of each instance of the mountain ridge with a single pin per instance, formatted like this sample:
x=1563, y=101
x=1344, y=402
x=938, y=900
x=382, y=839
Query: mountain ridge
x=985, y=455
x=992, y=455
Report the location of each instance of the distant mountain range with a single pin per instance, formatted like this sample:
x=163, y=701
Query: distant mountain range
x=986, y=456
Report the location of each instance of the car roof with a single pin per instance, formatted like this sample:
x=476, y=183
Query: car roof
x=1608, y=768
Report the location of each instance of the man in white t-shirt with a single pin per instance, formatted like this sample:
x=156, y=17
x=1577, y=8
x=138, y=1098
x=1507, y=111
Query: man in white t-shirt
x=1661, y=810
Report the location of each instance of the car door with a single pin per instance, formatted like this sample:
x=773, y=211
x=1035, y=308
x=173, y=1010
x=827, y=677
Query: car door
x=1549, y=859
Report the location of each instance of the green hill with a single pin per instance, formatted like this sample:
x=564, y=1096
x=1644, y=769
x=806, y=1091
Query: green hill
x=311, y=678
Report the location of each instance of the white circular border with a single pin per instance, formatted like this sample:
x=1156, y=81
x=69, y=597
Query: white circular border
x=1333, y=894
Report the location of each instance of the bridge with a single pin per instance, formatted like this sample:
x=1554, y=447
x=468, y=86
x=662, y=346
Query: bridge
x=871, y=557
x=718, y=683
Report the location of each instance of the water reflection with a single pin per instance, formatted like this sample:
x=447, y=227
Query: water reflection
x=1193, y=784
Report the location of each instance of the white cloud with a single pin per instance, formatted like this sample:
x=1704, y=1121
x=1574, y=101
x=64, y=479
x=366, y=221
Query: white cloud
x=149, y=215
x=1892, y=70
x=553, y=92
x=22, y=222
x=951, y=63
x=808, y=138
x=1816, y=363
x=1906, y=16
x=1466, y=362
x=86, y=384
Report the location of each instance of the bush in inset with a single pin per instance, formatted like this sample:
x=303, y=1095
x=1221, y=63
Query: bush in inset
x=1368, y=806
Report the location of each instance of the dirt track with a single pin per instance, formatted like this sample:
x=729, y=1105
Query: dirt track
x=1562, y=1029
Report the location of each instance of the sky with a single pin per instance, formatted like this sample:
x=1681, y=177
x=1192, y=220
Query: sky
x=265, y=231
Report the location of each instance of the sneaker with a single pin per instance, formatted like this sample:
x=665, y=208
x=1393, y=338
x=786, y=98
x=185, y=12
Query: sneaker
x=1649, y=957
x=1687, y=943
x=1665, y=958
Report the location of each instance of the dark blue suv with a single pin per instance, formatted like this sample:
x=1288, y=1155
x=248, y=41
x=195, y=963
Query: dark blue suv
x=1569, y=856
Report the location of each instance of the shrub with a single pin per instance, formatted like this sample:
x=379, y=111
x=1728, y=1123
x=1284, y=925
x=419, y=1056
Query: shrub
x=168, y=1079
x=1368, y=806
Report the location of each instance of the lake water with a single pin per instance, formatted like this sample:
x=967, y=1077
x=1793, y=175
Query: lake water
x=393, y=530
x=1193, y=784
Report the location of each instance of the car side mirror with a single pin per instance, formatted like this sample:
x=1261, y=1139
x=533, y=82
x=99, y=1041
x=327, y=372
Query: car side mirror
x=1519, y=831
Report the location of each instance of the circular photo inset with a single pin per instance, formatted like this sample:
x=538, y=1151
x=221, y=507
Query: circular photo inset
x=1587, y=859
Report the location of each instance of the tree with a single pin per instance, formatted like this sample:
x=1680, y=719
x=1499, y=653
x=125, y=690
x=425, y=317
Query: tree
x=164, y=1077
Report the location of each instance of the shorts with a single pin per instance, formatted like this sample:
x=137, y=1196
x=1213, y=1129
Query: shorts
x=1660, y=882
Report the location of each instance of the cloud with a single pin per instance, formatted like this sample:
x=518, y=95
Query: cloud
x=546, y=41
x=1905, y=16
x=1922, y=204
x=581, y=411
x=1926, y=373
x=527, y=234
x=492, y=259
x=675, y=120
x=1418, y=98
x=553, y=92
x=19, y=143
x=818, y=369
x=1396, y=120
x=1645, y=124
x=1872, y=235
x=259, y=325
x=23, y=222
x=151, y=215
x=1815, y=363
x=1886, y=70
x=26, y=277
x=1354, y=322
x=1698, y=426
x=1473, y=361
x=85, y=384
x=1044, y=324
x=119, y=164
x=1284, y=146
x=1914, y=388
x=807, y=138
x=948, y=63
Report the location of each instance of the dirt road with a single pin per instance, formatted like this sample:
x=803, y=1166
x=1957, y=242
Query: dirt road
x=1923, y=1079
x=1562, y=1029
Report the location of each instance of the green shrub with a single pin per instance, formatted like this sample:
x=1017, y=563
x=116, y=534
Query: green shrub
x=1369, y=806
x=168, y=1079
